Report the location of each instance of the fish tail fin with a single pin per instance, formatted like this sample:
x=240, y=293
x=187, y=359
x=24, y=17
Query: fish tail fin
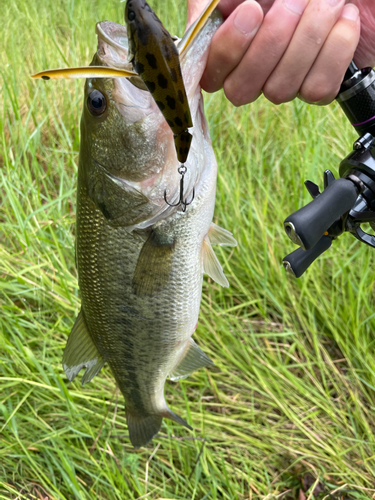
x=142, y=429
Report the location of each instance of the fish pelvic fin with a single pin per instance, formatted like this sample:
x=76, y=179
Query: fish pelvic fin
x=80, y=351
x=193, y=359
x=142, y=429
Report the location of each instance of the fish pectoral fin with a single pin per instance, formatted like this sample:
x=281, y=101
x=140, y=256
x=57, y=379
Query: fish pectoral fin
x=80, y=351
x=194, y=358
x=220, y=236
x=154, y=264
x=84, y=72
x=142, y=429
x=196, y=27
x=211, y=264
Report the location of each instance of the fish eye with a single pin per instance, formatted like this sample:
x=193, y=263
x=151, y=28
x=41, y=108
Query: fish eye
x=96, y=102
x=131, y=15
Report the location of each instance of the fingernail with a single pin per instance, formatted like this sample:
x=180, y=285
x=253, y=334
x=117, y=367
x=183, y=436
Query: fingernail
x=350, y=12
x=296, y=6
x=245, y=21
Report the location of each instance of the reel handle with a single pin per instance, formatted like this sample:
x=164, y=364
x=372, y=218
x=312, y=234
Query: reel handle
x=298, y=261
x=307, y=225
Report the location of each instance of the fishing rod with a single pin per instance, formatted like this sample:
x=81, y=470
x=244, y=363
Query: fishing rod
x=346, y=202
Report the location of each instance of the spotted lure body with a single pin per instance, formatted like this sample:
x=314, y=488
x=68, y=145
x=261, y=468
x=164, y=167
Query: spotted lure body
x=155, y=58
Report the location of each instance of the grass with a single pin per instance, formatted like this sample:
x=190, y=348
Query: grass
x=291, y=401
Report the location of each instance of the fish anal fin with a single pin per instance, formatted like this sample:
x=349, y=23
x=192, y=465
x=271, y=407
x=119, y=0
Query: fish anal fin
x=80, y=351
x=221, y=236
x=211, y=264
x=142, y=429
x=176, y=418
x=154, y=264
x=193, y=359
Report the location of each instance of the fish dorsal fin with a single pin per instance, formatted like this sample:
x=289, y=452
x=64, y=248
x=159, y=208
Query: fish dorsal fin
x=194, y=358
x=85, y=72
x=80, y=352
x=211, y=265
x=220, y=236
x=196, y=27
x=154, y=264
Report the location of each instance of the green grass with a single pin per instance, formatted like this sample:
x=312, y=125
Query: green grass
x=293, y=392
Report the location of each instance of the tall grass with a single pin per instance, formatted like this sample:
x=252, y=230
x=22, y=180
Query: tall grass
x=290, y=403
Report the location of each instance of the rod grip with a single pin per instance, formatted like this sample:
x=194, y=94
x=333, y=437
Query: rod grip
x=306, y=226
x=298, y=261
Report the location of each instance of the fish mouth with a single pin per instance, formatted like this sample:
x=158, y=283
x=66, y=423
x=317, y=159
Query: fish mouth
x=115, y=36
x=113, y=48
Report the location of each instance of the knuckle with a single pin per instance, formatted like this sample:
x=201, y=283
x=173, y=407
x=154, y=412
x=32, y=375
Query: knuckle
x=277, y=95
x=346, y=40
x=318, y=90
x=227, y=58
x=274, y=36
x=239, y=96
x=234, y=97
x=312, y=35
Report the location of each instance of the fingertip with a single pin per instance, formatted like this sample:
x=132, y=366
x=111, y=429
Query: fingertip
x=248, y=17
x=230, y=43
x=350, y=12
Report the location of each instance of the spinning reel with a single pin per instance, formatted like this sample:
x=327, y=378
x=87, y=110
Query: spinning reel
x=349, y=201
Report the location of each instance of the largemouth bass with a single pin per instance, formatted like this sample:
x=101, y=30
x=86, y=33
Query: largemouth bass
x=141, y=262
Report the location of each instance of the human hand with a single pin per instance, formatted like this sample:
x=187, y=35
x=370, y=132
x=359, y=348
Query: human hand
x=365, y=53
x=285, y=48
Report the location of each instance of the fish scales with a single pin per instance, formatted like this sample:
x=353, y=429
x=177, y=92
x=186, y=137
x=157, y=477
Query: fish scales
x=140, y=262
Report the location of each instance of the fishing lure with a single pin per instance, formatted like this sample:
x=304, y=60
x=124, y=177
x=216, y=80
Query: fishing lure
x=155, y=58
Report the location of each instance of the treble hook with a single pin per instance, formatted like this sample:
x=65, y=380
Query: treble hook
x=182, y=171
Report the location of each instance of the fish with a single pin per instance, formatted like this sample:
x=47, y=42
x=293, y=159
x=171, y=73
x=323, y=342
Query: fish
x=140, y=261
